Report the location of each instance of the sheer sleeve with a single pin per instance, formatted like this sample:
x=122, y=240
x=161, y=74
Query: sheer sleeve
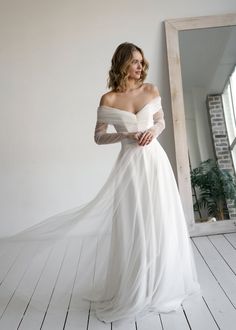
x=159, y=123
x=102, y=137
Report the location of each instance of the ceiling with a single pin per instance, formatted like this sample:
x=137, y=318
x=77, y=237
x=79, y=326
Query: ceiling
x=208, y=57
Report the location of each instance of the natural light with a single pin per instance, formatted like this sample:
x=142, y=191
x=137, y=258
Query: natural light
x=229, y=103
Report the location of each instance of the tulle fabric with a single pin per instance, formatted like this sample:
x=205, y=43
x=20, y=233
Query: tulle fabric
x=103, y=120
x=151, y=261
x=136, y=223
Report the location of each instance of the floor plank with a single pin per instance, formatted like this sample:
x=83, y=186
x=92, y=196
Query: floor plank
x=37, y=308
x=231, y=238
x=15, y=276
x=57, y=310
x=218, y=303
x=17, y=306
x=198, y=314
x=65, y=267
x=7, y=261
x=221, y=270
x=225, y=249
x=94, y=323
x=149, y=322
x=78, y=313
x=124, y=324
x=174, y=320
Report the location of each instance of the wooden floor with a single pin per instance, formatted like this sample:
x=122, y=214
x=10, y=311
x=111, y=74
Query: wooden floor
x=215, y=309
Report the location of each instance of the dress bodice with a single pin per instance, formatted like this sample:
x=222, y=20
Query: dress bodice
x=125, y=121
x=149, y=117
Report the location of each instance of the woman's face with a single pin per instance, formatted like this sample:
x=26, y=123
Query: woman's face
x=135, y=68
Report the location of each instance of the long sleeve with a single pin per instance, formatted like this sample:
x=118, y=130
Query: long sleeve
x=159, y=123
x=102, y=137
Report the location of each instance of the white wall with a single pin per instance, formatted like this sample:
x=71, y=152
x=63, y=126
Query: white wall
x=54, y=58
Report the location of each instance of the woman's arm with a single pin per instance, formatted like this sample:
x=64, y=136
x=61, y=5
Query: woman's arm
x=159, y=123
x=102, y=137
x=155, y=130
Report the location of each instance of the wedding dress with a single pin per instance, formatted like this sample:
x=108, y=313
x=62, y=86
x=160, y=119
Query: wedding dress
x=137, y=218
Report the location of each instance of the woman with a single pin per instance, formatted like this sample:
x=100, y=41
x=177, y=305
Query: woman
x=144, y=260
x=151, y=266
x=129, y=69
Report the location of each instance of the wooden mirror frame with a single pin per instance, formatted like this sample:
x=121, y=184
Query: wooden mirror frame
x=172, y=28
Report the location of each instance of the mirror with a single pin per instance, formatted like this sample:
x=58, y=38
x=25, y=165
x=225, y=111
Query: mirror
x=201, y=60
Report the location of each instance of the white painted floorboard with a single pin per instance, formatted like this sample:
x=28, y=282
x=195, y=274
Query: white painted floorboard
x=41, y=276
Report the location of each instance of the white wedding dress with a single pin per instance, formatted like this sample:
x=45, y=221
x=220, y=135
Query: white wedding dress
x=137, y=216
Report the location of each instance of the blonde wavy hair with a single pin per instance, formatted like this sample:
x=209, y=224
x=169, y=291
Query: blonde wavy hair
x=118, y=74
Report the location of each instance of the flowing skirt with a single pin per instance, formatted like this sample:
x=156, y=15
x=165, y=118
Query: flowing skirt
x=137, y=220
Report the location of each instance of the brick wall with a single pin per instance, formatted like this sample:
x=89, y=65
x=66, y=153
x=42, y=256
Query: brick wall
x=220, y=139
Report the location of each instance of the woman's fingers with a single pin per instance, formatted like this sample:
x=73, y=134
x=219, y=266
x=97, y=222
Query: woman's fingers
x=146, y=138
x=143, y=137
x=137, y=135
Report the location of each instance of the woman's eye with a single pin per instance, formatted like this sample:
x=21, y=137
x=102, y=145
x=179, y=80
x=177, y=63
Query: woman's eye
x=136, y=61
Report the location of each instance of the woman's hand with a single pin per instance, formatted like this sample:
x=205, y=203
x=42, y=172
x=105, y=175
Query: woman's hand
x=145, y=138
x=135, y=135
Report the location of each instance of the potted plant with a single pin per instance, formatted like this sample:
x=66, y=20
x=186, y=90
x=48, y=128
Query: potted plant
x=215, y=187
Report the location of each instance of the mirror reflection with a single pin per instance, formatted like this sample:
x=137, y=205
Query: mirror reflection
x=208, y=68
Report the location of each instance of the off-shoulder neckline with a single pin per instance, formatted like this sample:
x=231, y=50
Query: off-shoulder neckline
x=129, y=112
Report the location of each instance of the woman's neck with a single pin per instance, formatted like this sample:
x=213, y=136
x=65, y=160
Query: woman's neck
x=132, y=85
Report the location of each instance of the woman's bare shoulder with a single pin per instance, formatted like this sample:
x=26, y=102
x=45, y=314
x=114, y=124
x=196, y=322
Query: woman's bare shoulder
x=107, y=99
x=151, y=89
